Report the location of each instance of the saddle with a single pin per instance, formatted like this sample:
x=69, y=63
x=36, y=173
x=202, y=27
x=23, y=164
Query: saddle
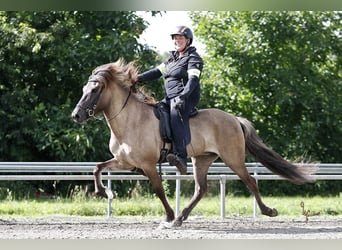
x=162, y=113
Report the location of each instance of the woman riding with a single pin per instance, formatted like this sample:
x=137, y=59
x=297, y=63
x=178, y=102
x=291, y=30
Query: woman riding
x=181, y=72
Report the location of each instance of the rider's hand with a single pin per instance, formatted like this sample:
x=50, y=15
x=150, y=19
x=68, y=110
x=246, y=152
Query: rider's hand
x=179, y=102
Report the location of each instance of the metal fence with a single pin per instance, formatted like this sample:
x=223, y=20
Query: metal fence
x=15, y=171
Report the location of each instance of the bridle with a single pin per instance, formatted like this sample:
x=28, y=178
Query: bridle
x=90, y=110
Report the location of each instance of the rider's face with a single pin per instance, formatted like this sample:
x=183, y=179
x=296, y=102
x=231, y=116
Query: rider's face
x=180, y=42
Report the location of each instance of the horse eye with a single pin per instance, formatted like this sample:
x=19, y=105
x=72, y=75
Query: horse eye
x=94, y=90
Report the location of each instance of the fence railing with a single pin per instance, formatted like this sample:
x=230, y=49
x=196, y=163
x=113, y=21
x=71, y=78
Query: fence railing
x=16, y=171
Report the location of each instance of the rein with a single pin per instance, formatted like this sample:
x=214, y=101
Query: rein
x=123, y=106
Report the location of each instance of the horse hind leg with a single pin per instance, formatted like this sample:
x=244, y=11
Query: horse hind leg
x=233, y=155
x=252, y=186
x=201, y=165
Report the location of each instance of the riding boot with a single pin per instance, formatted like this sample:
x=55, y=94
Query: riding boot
x=180, y=163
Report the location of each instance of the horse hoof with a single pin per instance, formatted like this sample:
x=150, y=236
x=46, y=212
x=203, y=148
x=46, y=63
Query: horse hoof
x=177, y=223
x=101, y=194
x=105, y=193
x=109, y=194
x=271, y=212
x=274, y=213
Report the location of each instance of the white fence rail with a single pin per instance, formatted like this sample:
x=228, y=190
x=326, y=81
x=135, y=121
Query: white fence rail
x=16, y=171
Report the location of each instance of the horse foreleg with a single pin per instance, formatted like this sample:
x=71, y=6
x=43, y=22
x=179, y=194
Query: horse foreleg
x=100, y=189
x=159, y=190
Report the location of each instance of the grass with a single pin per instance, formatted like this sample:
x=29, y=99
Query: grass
x=209, y=206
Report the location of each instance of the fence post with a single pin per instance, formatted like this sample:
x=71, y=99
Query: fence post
x=109, y=201
x=223, y=195
x=178, y=184
x=255, y=205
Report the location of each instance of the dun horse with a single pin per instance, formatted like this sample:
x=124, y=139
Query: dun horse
x=135, y=140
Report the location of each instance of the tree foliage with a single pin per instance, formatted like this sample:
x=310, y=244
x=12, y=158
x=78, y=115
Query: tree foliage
x=46, y=58
x=281, y=70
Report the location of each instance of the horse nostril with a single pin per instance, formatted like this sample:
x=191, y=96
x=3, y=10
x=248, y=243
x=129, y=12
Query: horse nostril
x=75, y=116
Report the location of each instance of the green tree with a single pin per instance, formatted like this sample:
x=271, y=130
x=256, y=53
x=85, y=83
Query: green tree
x=46, y=58
x=281, y=70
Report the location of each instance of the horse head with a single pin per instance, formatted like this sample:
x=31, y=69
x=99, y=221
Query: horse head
x=96, y=96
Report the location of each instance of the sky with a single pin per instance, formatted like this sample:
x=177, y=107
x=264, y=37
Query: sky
x=157, y=34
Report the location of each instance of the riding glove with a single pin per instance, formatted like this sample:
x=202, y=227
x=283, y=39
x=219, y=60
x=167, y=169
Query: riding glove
x=179, y=102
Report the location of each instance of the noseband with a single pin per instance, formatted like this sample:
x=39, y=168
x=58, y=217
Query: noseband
x=90, y=110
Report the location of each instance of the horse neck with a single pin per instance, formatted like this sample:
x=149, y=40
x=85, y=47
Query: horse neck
x=122, y=114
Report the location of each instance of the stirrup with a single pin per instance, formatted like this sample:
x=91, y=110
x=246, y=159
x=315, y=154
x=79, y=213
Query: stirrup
x=175, y=161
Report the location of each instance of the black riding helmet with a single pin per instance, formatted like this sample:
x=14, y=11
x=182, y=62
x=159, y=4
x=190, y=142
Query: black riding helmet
x=184, y=31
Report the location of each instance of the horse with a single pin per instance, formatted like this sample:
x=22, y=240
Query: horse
x=135, y=141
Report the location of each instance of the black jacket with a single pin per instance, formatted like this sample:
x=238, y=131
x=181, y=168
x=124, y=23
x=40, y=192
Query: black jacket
x=178, y=80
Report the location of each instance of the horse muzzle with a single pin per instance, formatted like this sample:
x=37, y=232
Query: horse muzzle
x=79, y=115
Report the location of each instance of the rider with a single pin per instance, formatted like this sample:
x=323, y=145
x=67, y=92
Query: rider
x=181, y=72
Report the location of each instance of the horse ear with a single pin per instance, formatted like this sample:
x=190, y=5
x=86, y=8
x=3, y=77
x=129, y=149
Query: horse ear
x=120, y=62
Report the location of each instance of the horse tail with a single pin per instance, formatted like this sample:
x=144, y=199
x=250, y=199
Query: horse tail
x=297, y=174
